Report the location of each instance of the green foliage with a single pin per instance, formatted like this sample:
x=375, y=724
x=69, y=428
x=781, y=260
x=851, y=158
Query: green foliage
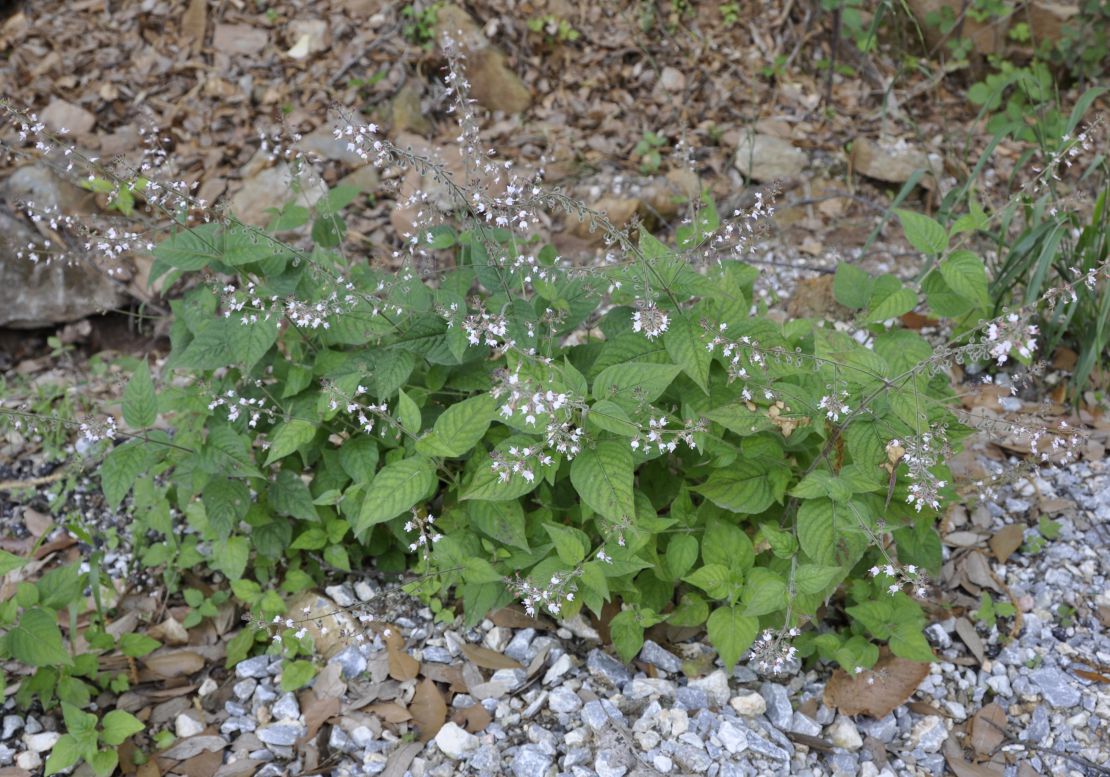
x=649, y=151
x=419, y=25
x=641, y=462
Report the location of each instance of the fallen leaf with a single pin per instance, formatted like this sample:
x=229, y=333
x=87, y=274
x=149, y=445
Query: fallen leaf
x=967, y=633
x=389, y=711
x=1026, y=770
x=149, y=769
x=316, y=710
x=515, y=619
x=194, y=21
x=173, y=663
x=954, y=756
x=428, y=709
x=878, y=690
x=1006, y=540
x=474, y=718
x=489, y=659
x=450, y=676
x=977, y=570
x=401, y=758
x=1094, y=677
x=201, y=765
x=988, y=727
x=184, y=749
x=925, y=708
x=402, y=666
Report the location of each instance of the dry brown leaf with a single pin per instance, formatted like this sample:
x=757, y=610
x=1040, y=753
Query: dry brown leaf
x=977, y=570
x=954, y=756
x=402, y=666
x=194, y=21
x=988, y=727
x=1006, y=540
x=878, y=690
x=1026, y=770
x=389, y=711
x=474, y=718
x=149, y=769
x=201, y=765
x=184, y=749
x=428, y=709
x=173, y=663
x=489, y=659
x=400, y=759
x=450, y=676
x=967, y=633
x=316, y=710
x=1104, y=615
x=925, y=708
x=509, y=617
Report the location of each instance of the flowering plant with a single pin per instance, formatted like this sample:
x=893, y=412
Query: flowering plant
x=513, y=425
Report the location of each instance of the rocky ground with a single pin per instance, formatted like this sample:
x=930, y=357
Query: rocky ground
x=1027, y=694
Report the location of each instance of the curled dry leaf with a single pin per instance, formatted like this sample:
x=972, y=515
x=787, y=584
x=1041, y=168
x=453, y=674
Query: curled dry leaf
x=184, y=749
x=428, y=709
x=988, y=730
x=173, y=663
x=954, y=756
x=474, y=718
x=402, y=666
x=967, y=633
x=1006, y=540
x=390, y=711
x=878, y=690
x=489, y=659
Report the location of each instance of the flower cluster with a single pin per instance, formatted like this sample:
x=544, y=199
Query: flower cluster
x=366, y=412
x=650, y=320
x=525, y=397
x=902, y=576
x=1010, y=332
x=559, y=590
x=772, y=653
x=423, y=524
x=835, y=408
x=920, y=454
x=519, y=461
x=657, y=432
x=94, y=430
x=237, y=405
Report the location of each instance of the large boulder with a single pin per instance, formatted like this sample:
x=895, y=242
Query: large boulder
x=43, y=293
x=492, y=82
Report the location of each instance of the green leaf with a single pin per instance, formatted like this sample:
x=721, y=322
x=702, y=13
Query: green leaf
x=121, y=468
x=830, y=533
x=966, y=275
x=408, y=413
x=459, y=429
x=65, y=753
x=336, y=555
x=60, y=587
x=359, y=458
x=686, y=347
x=296, y=674
x=764, y=592
x=140, y=407
x=739, y=420
x=103, y=762
x=731, y=633
x=37, y=641
x=714, y=579
x=726, y=544
x=851, y=286
x=190, y=249
x=924, y=233
x=289, y=495
x=682, y=552
x=633, y=383
x=394, y=490
x=627, y=634
x=908, y=641
x=118, y=725
x=137, y=645
x=226, y=503
x=313, y=538
x=691, y=611
x=741, y=488
x=502, y=521
x=9, y=561
x=602, y=476
x=889, y=299
x=816, y=579
x=230, y=556
x=571, y=544
x=608, y=416
x=288, y=437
